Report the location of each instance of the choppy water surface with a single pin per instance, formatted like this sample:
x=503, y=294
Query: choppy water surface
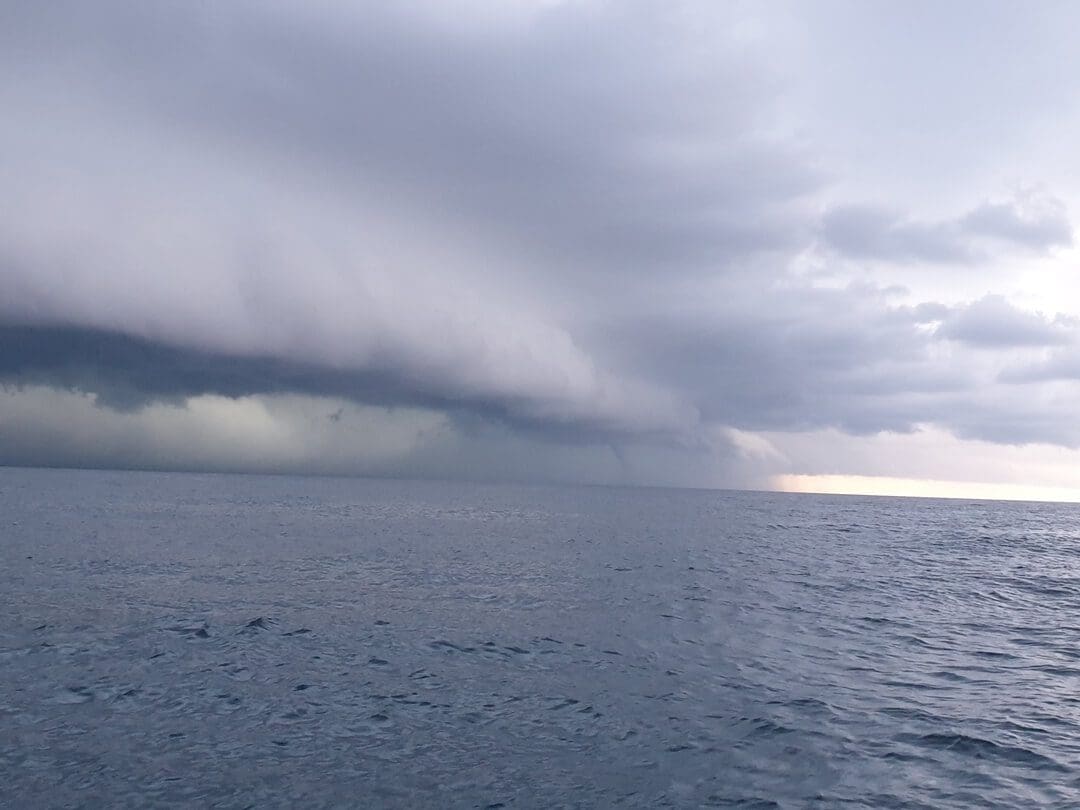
x=229, y=641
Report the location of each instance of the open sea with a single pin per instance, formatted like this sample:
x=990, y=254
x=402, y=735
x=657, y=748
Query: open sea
x=244, y=641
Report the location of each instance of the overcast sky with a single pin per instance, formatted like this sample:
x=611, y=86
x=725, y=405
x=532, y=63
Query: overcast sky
x=763, y=244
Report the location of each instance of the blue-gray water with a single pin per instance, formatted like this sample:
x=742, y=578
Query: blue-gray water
x=234, y=641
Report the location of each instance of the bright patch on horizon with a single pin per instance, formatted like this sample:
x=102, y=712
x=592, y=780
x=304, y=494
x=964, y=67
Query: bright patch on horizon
x=921, y=488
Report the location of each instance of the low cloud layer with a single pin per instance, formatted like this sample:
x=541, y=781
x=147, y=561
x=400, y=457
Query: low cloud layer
x=590, y=241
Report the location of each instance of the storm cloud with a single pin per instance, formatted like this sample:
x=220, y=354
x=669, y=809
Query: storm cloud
x=579, y=236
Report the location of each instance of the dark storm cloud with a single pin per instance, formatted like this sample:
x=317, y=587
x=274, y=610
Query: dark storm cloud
x=128, y=373
x=580, y=143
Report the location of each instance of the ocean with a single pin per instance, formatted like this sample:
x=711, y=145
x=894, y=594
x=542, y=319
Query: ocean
x=258, y=641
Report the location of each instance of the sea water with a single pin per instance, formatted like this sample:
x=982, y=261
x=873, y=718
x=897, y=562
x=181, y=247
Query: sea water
x=245, y=641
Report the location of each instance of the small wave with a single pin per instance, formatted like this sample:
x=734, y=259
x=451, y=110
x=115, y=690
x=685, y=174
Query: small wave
x=1061, y=672
x=763, y=725
x=877, y=620
x=980, y=748
x=948, y=675
x=922, y=687
x=256, y=625
x=742, y=804
x=908, y=713
x=443, y=644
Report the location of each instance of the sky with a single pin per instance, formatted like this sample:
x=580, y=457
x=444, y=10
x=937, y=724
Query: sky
x=813, y=247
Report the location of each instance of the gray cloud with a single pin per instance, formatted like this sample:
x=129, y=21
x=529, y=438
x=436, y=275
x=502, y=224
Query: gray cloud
x=128, y=373
x=1020, y=416
x=1062, y=365
x=992, y=322
x=813, y=358
x=1044, y=225
x=865, y=232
